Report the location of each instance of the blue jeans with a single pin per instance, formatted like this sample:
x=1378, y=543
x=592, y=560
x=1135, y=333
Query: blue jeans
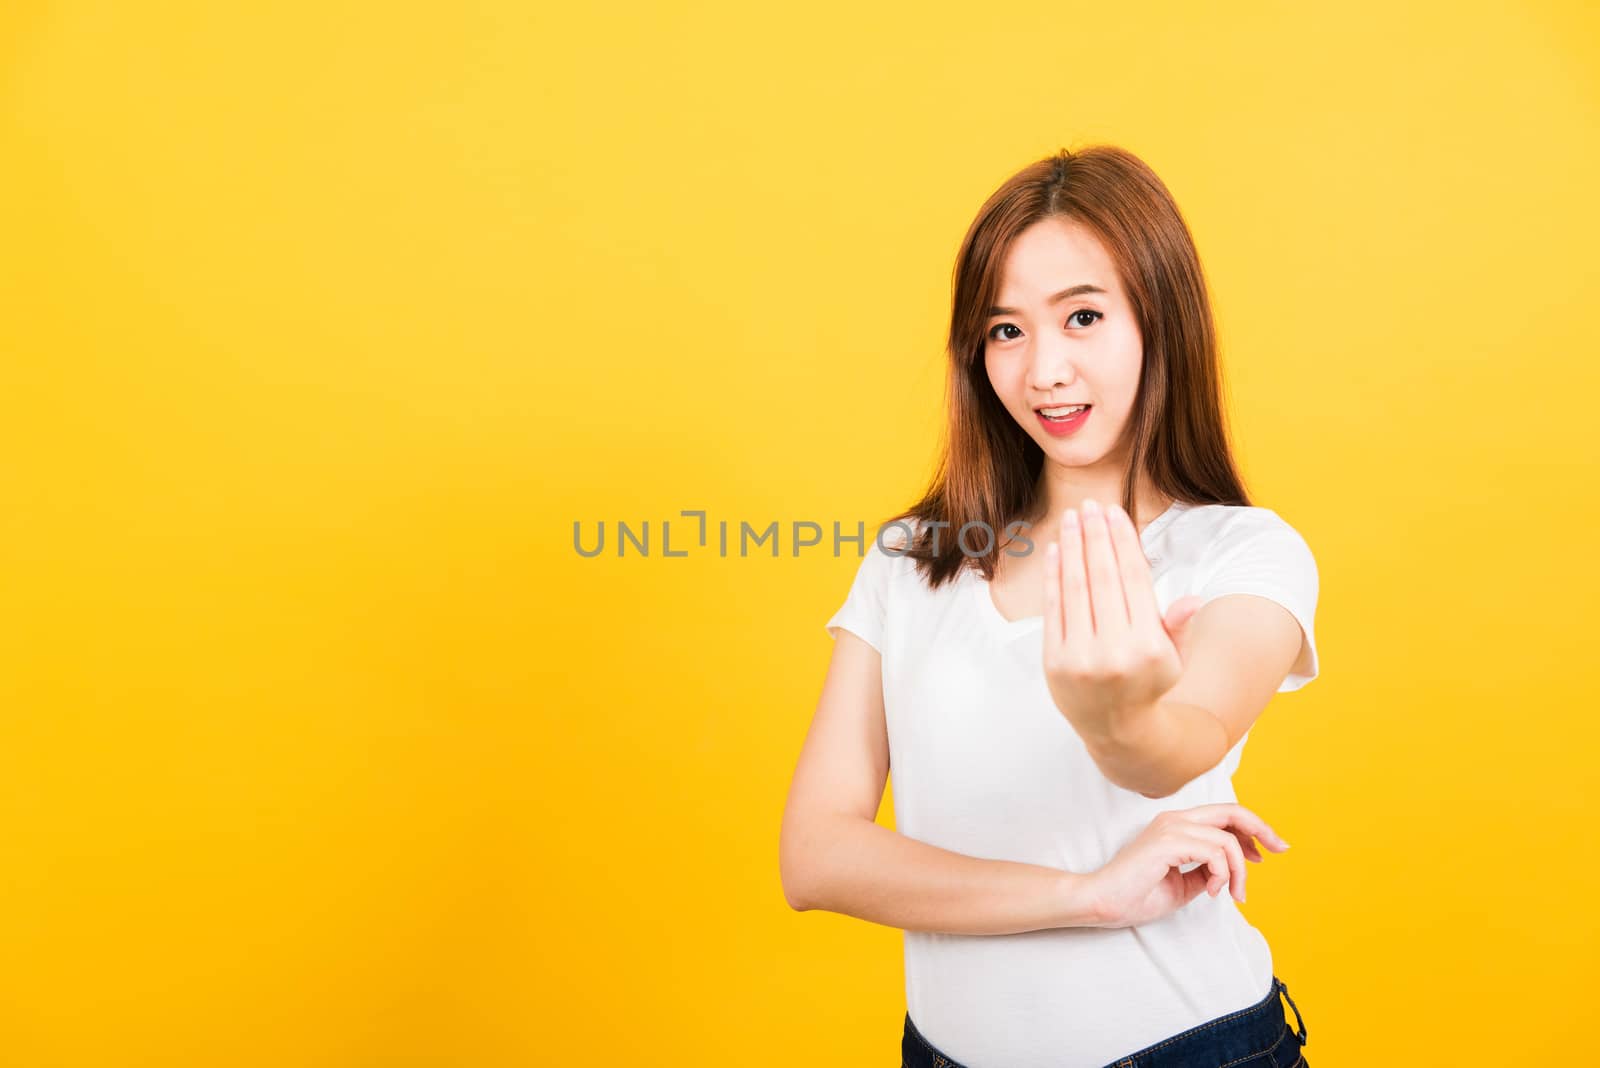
x=1255, y=1037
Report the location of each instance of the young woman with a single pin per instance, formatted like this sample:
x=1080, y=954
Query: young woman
x=1060, y=650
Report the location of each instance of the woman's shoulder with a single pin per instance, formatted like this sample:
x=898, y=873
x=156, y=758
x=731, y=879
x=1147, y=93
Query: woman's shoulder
x=1218, y=519
x=896, y=534
x=891, y=545
x=884, y=551
x=1213, y=530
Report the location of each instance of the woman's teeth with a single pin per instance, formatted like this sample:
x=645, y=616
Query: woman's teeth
x=1061, y=413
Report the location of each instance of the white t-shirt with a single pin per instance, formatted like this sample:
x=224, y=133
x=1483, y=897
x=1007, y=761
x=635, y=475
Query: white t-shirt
x=984, y=764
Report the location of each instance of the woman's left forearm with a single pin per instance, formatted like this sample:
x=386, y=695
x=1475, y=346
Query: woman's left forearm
x=1159, y=748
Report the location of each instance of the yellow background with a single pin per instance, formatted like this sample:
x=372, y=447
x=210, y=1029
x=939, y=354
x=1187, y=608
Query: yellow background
x=321, y=746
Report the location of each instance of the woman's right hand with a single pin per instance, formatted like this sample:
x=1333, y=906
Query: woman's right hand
x=1142, y=882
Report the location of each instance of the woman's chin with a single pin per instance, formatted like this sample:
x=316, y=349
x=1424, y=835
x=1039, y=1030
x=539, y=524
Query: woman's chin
x=1069, y=450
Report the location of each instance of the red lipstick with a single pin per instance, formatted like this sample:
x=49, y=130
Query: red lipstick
x=1062, y=427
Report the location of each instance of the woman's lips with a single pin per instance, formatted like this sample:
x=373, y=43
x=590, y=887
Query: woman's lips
x=1060, y=428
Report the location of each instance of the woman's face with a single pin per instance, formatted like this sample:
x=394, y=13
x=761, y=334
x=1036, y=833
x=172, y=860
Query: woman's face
x=1044, y=349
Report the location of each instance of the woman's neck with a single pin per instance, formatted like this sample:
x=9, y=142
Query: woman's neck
x=1059, y=494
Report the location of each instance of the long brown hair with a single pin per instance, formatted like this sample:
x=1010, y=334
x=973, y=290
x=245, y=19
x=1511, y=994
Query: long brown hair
x=989, y=467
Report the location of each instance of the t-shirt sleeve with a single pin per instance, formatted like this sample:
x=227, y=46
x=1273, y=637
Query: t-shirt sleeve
x=865, y=609
x=1271, y=560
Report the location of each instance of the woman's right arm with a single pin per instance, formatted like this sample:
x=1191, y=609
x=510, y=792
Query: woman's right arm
x=834, y=856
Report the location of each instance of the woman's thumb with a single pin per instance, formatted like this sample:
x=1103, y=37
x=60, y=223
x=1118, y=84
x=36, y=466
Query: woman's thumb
x=1177, y=618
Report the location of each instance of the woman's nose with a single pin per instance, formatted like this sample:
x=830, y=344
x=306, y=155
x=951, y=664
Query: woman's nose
x=1049, y=367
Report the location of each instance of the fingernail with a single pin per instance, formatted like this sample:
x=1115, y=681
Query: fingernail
x=1115, y=511
x=1071, y=517
x=1091, y=507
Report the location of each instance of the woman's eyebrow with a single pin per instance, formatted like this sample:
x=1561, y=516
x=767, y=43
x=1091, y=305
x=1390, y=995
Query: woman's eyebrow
x=1070, y=291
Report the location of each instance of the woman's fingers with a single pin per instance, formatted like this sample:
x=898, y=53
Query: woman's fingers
x=1248, y=844
x=1197, y=881
x=1219, y=870
x=1054, y=626
x=1144, y=614
x=1234, y=868
x=1197, y=847
x=1220, y=835
x=1224, y=814
x=1105, y=582
x=1076, y=613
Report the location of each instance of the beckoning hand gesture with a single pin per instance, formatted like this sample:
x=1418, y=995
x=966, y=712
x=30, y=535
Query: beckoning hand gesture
x=1108, y=651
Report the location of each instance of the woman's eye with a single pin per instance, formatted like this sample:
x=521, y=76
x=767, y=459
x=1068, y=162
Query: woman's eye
x=1074, y=317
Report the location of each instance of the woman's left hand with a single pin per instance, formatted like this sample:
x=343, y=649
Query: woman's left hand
x=1109, y=653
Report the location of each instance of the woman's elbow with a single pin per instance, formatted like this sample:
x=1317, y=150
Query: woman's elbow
x=795, y=854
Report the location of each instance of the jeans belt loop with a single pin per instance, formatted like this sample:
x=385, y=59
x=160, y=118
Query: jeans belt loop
x=1284, y=988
